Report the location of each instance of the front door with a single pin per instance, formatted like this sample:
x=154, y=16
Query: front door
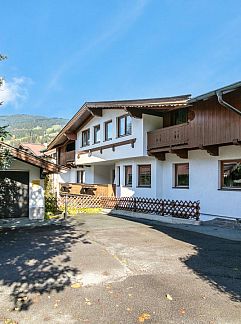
x=14, y=194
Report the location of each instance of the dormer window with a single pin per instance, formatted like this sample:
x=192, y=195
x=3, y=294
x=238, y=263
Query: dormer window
x=124, y=125
x=86, y=137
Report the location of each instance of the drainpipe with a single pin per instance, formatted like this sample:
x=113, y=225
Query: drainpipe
x=226, y=104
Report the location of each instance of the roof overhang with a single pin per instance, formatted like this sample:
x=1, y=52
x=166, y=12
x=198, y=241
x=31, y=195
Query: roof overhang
x=224, y=90
x=154, y=106
x=48, y=167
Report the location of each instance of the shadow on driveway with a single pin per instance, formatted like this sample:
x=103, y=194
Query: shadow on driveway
x=28, y=263
x=217, y=261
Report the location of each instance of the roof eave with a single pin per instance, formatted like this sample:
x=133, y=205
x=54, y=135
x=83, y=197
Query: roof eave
x=231, y=87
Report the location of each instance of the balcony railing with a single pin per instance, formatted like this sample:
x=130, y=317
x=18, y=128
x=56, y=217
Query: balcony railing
x=168, y=136
x=67, y=157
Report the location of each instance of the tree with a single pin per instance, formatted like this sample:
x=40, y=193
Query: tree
x=5, y=157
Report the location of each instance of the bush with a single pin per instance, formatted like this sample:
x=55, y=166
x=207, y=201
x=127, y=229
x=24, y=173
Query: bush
x=51, y=205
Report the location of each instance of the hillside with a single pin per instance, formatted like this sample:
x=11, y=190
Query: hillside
x=31, y=128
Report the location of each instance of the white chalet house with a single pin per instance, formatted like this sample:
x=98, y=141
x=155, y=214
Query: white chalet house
x=179, y=148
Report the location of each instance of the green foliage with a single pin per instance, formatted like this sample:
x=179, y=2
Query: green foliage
x=2, y=57
x=51, y=205
x=31, y=129
x=48, y=186
x=5, y=157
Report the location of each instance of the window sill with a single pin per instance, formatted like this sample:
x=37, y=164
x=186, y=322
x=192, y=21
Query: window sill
x=120, y=136
x=126, y=186
x=229, y=189
x=143, y=186
x=179, y=187
x=96, y=143
x=107, y=140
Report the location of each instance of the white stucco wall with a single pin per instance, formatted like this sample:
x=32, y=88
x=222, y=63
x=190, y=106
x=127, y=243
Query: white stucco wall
x=36, y=192
x=125, y=151
x=123, y=191
x=150, y=123
x=204, y=182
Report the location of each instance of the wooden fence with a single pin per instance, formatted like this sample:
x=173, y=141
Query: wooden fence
x=163, y=207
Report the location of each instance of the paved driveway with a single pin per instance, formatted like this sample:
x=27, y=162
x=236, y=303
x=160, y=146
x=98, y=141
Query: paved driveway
x=102, y=269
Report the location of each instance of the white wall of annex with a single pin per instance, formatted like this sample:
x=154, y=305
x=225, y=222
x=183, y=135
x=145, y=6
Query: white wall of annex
x=36, y=192
x=204, y=182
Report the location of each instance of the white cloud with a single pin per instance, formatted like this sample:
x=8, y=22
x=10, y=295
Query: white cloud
x=15, y=91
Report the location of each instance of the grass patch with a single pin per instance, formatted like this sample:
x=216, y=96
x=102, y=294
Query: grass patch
x=72, y=211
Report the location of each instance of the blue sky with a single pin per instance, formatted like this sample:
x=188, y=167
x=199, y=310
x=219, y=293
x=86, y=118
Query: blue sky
x=62, y=53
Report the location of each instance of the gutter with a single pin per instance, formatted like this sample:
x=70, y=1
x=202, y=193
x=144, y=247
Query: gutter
x=226, y=104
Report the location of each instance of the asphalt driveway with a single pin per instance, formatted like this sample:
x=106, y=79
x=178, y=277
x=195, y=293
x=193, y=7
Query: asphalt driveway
x=103, y=269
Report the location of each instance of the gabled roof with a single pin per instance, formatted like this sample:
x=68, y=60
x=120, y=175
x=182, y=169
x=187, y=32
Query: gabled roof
x=26, y=157
x=89, y=109
x=35, y=149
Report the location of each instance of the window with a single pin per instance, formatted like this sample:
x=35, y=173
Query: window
x=86, y=137
x=70, y=147
x=108, y=130
x=128, y=175
x=231, y=174
x=80, y=176
x=144, y=175
x=96, y=134
x=118, y=176
x=182, y=175
x=124, y=125
x=179, y=117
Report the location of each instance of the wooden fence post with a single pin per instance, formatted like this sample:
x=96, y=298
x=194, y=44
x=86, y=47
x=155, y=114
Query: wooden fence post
x=134, y=200
x=162, y=207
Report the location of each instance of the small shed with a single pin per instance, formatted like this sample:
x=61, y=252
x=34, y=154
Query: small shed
x=22, y=185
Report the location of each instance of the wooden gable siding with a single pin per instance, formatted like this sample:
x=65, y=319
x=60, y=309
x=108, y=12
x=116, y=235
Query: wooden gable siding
x=209, y=124
x=65, y=157
x=214, y=124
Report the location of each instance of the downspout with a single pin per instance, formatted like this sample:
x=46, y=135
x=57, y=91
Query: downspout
x=226, y=104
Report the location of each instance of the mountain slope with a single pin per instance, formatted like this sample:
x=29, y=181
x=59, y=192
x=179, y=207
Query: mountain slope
x=31, y=128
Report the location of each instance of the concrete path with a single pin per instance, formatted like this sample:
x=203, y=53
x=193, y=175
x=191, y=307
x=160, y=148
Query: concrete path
x=103, y=269
x=229, y=233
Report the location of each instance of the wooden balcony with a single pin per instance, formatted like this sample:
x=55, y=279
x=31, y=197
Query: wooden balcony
x=67, y=157
x=168, y=137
